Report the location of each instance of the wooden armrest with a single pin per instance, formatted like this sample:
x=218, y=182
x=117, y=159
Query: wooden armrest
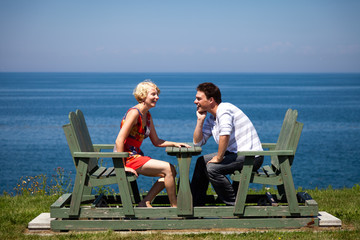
x=100, y=154
x=266, y=153
x=271, y=146
x=98, y=147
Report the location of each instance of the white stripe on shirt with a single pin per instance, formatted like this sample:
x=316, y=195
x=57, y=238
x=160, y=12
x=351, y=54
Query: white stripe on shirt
x=230, y=120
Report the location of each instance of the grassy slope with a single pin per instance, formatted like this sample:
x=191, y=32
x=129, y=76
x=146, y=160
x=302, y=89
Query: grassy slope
x=17, y=211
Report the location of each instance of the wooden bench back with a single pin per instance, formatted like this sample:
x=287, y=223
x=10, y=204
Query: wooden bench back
x=78, y=137
x=289, y=136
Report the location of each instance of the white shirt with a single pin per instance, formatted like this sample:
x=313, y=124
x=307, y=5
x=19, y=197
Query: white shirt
x=230, y=120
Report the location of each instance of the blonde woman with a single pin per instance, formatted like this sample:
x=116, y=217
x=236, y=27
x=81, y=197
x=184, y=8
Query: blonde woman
x=136, y=125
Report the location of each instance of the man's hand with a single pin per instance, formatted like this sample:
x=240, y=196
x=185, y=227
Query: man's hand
x=215, y=159
x=201, y=115
x=223, y=144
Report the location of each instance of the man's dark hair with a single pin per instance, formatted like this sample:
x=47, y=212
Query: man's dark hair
x=210, y=90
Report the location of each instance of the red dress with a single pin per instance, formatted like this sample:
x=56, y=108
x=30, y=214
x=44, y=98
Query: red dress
x=133, y=142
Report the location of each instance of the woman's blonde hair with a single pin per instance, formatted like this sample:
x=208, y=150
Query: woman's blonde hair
x=142, y=89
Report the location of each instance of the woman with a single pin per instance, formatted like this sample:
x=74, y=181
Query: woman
x=136, y=125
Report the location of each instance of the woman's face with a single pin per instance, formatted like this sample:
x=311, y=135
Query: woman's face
x=152, y=97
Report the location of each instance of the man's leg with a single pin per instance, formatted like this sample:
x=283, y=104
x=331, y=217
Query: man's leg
x=217, y=175
x=200, y=180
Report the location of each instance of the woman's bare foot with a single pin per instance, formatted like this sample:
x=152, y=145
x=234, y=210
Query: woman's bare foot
x=145, y=204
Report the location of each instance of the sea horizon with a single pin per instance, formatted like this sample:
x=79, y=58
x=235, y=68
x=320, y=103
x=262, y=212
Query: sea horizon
x=35, y=105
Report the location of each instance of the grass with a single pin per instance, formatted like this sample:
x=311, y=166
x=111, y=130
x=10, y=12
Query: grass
x=17, y=211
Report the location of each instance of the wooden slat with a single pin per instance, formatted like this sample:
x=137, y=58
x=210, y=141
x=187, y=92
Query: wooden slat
x=82, y=136
x=270, y=146
x=61, y=201
x=124, y=188
x=245, y=178
x=108, y=172
x=268, y=171
x=100, y=154
x=80, y=179
x=206, y=211
x=99, y=172
x=71, y=140
x=267, y=153
x=141, y=224
x=99, y=147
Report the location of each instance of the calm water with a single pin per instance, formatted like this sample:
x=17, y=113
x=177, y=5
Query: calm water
x=34, y=106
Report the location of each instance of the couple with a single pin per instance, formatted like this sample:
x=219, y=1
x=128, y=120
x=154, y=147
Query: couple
x=230, y=127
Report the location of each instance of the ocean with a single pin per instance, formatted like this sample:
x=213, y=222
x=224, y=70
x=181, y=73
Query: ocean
x=34, y=106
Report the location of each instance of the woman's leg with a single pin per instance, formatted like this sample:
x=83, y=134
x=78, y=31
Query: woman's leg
x=155, y=189
x=165, y=170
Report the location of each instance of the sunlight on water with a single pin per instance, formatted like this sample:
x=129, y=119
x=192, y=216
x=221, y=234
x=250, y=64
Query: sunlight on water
x=34, y=106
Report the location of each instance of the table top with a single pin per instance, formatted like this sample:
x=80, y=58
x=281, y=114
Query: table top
x=192, y=150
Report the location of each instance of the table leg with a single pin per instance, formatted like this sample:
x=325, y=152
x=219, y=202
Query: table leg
x=184, y=197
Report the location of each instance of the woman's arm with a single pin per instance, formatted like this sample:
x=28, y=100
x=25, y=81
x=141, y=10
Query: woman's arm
x=157, y=142
x=131, y=120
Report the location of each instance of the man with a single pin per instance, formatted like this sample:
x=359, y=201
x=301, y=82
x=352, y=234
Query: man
x=233, y=132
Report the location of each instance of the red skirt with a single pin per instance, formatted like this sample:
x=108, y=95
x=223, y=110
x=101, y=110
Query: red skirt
x=136, y=161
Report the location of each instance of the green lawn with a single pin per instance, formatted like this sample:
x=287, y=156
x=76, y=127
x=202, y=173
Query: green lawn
x=17, y=211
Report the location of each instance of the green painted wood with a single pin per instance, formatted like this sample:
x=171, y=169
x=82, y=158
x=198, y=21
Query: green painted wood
x=82, y=150
x=270, y=146
x=163, y=224
x=294, y=141
x=268, y=170
x=310, y=210
x=82, y=135
x=244, y=185
x=74, y=147
x=267, y=153
x=279, y=174
x=122, y=207
x=108, y=172
x=71, y=140
x=97, y=182
x=100, y=154
x=184, y=197
x=61, y=201
x=265, y=180
x=99, y=147
x=81, y=175
x=124, y=189
x=285, y=134
x=289, y=185
x=194, y=150
x=99, y=172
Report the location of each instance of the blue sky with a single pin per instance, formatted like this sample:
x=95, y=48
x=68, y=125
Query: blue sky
x=179, y=36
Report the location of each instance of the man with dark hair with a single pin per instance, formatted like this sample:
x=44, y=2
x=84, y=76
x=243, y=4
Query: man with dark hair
x=233, y=132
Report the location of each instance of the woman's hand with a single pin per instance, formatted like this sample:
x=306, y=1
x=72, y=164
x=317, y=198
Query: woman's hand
x=179, y=145
x=127, y=169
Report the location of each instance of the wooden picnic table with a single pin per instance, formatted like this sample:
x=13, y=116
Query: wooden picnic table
x=84, y=210
x=184, y=156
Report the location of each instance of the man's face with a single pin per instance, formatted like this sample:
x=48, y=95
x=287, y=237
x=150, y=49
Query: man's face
x=202, y=103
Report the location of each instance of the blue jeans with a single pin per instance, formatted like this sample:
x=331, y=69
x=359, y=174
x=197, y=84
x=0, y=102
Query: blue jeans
x=216, y=174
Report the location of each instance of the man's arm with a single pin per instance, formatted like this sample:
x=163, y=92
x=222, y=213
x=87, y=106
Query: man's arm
x=198, y=132
x=223, y=144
